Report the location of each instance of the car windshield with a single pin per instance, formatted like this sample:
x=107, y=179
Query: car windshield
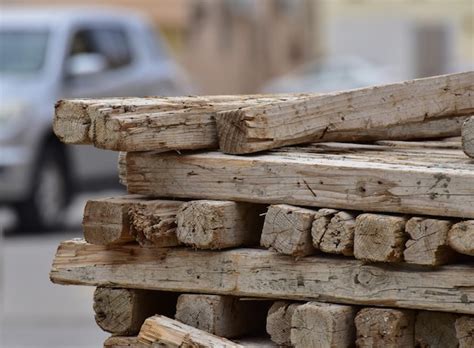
x=22, y=51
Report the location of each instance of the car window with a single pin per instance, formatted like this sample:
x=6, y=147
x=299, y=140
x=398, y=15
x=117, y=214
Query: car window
x=112, y=43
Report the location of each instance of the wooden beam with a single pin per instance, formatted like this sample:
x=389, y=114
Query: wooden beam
x=332, y=175
x=436, y=330
x=322, y=325
x=468, y=137
x=333, y=231
x=428, y=243
x=464, y=327
x=153, y=222
x=224, y=316
x=287, y=230
x=123, y=311
x=262, y=273
x=385, y=327
x=171, y=333
x=379, y=238
x=461, y=237
x=264, y=127
x=106, y=222
x=279, y=321
x=151, y=123
x=123, y=342
x=207, y=224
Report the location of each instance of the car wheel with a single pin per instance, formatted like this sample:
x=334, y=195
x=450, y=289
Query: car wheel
x=45, y=207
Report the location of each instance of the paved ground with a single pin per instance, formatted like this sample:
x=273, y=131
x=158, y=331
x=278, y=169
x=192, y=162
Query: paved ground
x=34, y=312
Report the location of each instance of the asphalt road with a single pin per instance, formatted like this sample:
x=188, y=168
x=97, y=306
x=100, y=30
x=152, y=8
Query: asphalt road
x=35, y=312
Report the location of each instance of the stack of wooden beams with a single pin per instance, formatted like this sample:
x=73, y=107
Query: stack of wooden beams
x=360, y=232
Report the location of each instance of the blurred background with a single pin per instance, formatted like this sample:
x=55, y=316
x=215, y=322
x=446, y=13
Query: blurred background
x=83, y=48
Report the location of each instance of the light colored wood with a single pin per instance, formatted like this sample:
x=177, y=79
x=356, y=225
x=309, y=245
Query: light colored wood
x=464, y=327
x=323, y=325
x=123, y=311
x=384, y=327
x=150, y=123
x=468, y=137
x=123, y=342
x=153, y=222
x=435, y=330
x=262, y=273
x=287, y=230
x=171, y=333
x=264, y=127
x=379, y=238
x=224, y=316
x=106, y=222
x=207, y=224
x=279, y=321
x=331, y=175
x=461, y=237
x=333, y=231
x=428, y=243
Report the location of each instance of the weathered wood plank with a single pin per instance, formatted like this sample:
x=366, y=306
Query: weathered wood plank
x=264, y=127
x=206, y=224
x=171, y=333
x=262, y=273
x=279, y=321
x=384, y=327
x=224, y=316
x=436, y=330
x=153, y=222
x=123, y=311
x=354, y=177
x=464, y=327
x=428, y=243
x=461, y=237
x=379, y=237
x=106, y=222
x=287, y=230
x=333, y=231
x=468, y=137
x=123, y=342
x=322, y=325
x=151, y=123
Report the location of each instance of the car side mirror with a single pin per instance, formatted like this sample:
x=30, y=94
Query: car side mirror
x=84, y=64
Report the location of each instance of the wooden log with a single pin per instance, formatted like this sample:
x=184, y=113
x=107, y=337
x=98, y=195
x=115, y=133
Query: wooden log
x=428, y=243
x=264, y=127
x=435, y=330
x=153, y=222
x=343, y=176
x=333, y=231
x=224, y=316
x=262, y=273
x=106, y=222
x=171, y=333
x=322, y=325
x=468, y=137
x=123, y=342
x=379, y=238
x=279, y=322
x=151, y=123
x=206, y=224
x=461, y=237
x=464, y=327
x=287, y=230
x=384, y=327
x=123, y=311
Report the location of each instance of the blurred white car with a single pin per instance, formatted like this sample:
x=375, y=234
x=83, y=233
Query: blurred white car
x=330, y=75
x=46, y=55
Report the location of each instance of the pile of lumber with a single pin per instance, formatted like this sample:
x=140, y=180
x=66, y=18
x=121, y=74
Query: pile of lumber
x=305, y=220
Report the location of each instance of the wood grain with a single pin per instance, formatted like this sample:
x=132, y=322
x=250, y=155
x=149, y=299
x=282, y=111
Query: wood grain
x=279, y=321
x=264, y=127
x=262, y=273
x=468, y=137
x=461, y=237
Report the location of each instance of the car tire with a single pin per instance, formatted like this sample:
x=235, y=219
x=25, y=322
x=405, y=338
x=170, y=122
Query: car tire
x=50, y=193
